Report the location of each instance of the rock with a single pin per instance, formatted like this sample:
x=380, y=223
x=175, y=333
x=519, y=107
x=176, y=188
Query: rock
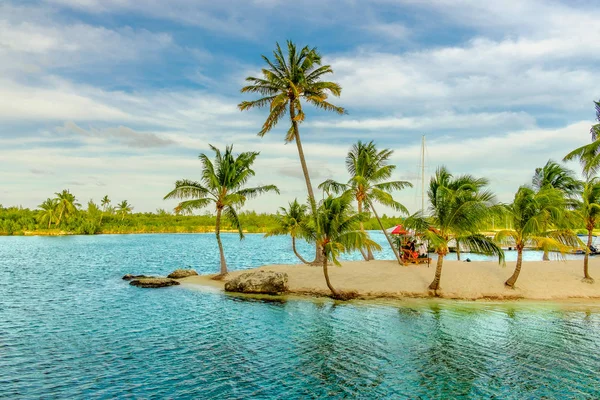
x=182, y=273
x=153, y=282
x=129, y=277
x=266, y=282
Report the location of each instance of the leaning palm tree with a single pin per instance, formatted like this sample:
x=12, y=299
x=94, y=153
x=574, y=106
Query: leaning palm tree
x=369, y=171
x=67, y=205
x=337, y=231
x=538, y=219
x=222, y=184
x=285, y=84
x=48, y=213
x=458, y=207
x=124, y=208
x=291, y=221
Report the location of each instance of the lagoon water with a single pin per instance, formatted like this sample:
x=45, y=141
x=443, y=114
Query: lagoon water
x=71, y=328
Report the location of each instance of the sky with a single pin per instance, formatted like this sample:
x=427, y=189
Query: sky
x=111, y=97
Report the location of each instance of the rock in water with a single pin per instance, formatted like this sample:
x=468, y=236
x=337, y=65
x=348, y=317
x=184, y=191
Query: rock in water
x=266, y=282
x=153, y=282
x=129, y=277
x=182, y=273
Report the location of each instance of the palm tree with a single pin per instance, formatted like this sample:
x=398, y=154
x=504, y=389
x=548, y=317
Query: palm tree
x=337, y=231
x=124, y=208
x=292, y=221
x=48, y=213
x=369, y=169
x=557, y=176
x=595, y=129
x=589, y=212
x=222, y=184
x=458, y=207
x=537, y=219
x=561, y=178
x=589, y=158
x=285, y=83
x=66, y=205
x=105, y=202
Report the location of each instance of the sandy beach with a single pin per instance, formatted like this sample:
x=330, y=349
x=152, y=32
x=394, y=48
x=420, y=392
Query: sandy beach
x=539, y=280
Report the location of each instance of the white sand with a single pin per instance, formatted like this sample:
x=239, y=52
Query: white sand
x=539, y=280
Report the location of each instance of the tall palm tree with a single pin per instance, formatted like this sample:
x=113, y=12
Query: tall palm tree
x=105, y=202
x=292, y=221
x=369, y=169
x=222, y=184
x=286, y=82
x=537, y=219
x=337, y=231
x=557, y=176
x=124, y=208
x=67, y=205
x=48, y=213
x=458, y=207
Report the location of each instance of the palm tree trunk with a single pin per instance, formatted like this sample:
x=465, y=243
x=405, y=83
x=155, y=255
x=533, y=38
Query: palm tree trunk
x=586, y=275
x=513, y=279
x=546, y=256
x=369, y=255
x=296, y=251
x=311, y=194
x=333, y=291
x=49, y=222
x=60, y=216
x=387, y=236
x=457, y=250
x=435, y=285
x=221, y=252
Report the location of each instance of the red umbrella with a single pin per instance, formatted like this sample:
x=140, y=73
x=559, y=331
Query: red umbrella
x=399, y=230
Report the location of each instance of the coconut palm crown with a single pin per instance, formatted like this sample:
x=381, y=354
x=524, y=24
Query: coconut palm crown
x=223, y=185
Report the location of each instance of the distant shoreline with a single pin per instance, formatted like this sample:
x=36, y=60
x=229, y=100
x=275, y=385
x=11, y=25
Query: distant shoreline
x=481, y=280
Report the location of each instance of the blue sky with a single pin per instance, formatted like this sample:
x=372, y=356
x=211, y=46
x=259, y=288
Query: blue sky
x=111, y=97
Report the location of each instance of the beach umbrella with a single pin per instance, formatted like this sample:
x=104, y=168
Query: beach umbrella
x=399, y=230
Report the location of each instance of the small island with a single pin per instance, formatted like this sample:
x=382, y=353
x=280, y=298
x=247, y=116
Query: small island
x=478, y=280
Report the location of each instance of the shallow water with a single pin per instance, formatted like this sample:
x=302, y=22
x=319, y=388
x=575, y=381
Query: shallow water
x=71, y=328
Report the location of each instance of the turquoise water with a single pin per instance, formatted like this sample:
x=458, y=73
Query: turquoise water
x=71, y=328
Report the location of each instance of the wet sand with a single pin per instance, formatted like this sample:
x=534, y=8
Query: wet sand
x=539, y=280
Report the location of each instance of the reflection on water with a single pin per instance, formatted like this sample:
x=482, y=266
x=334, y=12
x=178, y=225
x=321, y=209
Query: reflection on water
x=71, y=328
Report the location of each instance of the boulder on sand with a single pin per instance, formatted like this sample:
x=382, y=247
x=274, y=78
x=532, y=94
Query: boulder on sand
x=182, y=273
x=153, y=282
x=265, y=282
